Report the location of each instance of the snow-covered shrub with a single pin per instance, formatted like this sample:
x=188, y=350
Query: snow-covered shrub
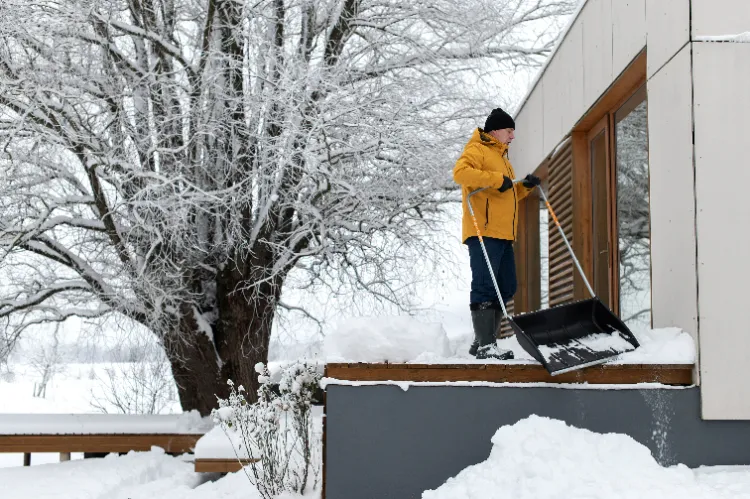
x=277, y=430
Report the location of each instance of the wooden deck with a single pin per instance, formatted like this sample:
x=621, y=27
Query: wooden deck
x=614, y=374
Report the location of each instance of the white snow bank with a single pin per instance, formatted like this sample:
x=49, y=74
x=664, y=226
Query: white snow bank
x=540, y=458
x=738, y=38
x=660, y=346
x=598, y=342
x=380, y=339
x=137, y=475
x=398, y=339
x=657, y=346
x=90, y=424
x=218, y=444
x=113, y=477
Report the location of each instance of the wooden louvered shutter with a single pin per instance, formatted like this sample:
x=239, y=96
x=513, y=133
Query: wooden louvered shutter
x=505, y=328
x=561, y=268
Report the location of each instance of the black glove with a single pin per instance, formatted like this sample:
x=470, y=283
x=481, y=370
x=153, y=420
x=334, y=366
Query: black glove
x=507, y=184
x=531, y=181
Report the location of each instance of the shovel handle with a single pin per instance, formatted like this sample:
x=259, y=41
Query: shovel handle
x=559, y=228
x=484, y=250
x=565, y=238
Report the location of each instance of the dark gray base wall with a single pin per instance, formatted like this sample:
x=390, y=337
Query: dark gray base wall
x=384, y=443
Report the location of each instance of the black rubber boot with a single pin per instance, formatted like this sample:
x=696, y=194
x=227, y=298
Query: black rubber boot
x=474, y=346
x=484, y=334
x=499, y=322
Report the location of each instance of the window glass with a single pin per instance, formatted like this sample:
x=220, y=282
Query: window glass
x=544, y=252
x=633, y=220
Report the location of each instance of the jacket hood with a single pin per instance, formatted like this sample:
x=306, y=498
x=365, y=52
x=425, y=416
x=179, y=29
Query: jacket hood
x=481, y=137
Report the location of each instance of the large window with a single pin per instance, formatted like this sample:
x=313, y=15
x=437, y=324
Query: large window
x=633, y=227
x=544, y=226
x=620, y=238
x=597, y=181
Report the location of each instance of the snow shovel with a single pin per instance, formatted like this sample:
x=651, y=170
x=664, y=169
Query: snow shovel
x=566, y=337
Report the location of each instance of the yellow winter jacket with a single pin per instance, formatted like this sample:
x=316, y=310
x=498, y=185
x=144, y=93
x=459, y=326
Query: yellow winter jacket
x=483, y=163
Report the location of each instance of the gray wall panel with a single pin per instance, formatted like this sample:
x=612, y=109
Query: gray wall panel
x=382, y=442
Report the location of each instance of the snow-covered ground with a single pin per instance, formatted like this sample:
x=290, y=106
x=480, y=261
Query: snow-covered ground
x=404, y=339
x=79, y=389
x=138, y=475
x=75, y=389
x=541, y=458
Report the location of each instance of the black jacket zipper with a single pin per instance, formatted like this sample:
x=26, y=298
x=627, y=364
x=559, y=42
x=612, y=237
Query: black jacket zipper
x=486, y=213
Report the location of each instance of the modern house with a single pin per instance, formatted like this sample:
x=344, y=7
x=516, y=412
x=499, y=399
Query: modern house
x=639, y=126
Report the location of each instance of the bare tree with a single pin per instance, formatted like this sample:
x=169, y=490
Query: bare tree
x=138, y=381
x=47, y=361
x=173, y=160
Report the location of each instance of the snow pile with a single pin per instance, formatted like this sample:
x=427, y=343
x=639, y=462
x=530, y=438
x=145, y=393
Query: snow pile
x=660, y=346
x=379, y=339
x=218, y=444
x=540, y=458
x=137, y=475
x=657, y=346
x=113, y=477
x=738, y=38
x=598, y=342
x=402, y=339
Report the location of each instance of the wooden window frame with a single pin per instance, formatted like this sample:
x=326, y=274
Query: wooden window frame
x=601, y=114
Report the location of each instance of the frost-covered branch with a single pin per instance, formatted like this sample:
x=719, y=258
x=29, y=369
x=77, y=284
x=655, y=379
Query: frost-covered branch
x=181, y=160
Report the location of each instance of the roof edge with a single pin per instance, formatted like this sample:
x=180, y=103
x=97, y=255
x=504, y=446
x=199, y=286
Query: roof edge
x=540, y=73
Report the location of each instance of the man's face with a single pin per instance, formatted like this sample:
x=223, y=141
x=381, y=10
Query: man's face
x=506, y=135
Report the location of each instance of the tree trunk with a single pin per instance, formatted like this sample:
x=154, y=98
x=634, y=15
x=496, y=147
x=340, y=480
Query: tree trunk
x=195, y=365
x=202, y=365
x=243, y=332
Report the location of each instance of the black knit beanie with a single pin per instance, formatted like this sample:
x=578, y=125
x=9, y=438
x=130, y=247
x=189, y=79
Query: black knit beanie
x=498, y=120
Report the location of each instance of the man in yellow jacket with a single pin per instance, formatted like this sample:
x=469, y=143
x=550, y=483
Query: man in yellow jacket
x=484, y=163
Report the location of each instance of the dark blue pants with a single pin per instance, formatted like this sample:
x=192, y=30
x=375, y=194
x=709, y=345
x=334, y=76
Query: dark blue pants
x=503, y=265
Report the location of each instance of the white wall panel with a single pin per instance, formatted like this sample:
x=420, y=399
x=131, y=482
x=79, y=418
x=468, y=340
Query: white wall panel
x=668, y=30
x=597, y=49
x=527, y=151
x=670, y=148
x=555, y=103
x=722, y=105
x=628, y=32
x=720, y=17
x=571, y=55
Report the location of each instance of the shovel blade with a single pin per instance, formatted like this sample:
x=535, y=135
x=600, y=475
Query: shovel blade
x=573, y=336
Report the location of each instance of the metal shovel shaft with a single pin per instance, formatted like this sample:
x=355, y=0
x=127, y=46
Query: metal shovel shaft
x=565, y=238
x=484, y=250
x=559, y=228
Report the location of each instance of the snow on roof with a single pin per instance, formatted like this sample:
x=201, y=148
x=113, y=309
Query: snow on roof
x=189, y=423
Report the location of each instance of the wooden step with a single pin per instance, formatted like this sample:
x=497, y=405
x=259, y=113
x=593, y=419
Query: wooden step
x=221, y=465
